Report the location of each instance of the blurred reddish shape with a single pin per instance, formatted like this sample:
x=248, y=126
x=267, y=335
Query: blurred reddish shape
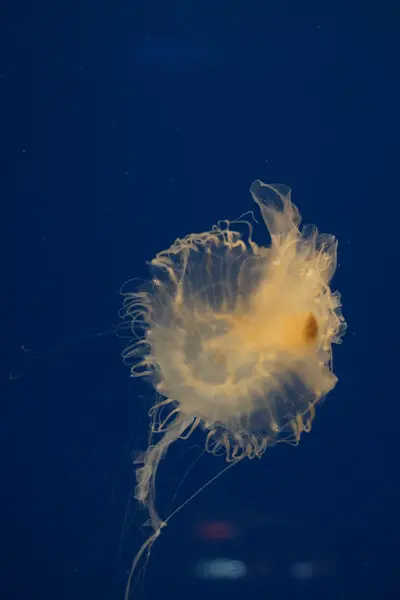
x=218, y=531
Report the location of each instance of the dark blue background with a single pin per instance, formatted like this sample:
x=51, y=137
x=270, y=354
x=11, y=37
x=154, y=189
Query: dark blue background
x=123, y=126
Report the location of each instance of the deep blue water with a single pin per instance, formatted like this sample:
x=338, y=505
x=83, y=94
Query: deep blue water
x=124, y=126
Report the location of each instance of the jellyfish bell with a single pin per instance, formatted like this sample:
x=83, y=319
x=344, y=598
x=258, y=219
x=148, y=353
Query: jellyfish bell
x=236, y=337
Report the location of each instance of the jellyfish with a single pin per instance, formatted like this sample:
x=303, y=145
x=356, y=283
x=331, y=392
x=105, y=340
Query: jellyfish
x=235, y=337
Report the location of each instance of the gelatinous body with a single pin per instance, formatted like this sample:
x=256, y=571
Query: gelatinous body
x=236, y=337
